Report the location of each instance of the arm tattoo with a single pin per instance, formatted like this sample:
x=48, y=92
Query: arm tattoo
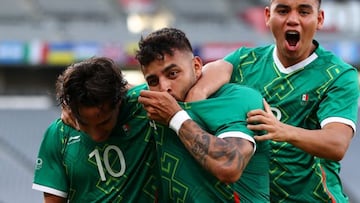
x=205, y=147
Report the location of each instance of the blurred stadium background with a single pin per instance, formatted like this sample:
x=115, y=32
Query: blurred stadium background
x=38, y=38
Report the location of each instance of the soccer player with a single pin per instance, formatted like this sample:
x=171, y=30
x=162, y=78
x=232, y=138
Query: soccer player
x=112, y=157
x=208, y=155
x=313, y=97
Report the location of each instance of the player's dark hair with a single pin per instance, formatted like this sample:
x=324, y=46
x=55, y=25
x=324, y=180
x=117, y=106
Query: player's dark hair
x=92, y=82
x=161, y=42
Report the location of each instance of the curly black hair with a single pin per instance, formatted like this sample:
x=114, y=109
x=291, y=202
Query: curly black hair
x=158, y=43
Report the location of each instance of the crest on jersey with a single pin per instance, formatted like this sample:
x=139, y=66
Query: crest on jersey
x=304, y=99
x=126, y=128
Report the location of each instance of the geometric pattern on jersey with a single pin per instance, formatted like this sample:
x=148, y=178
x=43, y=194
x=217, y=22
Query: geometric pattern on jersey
x=120, y=169
x=325, y=87
x=184, y=180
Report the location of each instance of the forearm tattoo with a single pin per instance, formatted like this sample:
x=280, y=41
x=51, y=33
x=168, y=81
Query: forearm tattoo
x=207, y=148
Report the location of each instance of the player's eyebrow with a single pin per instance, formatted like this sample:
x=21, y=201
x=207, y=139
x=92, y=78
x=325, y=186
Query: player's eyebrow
x=166, y=69
x=301, y=6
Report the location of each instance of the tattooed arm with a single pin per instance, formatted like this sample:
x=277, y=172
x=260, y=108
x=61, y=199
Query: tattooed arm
x=225, y=158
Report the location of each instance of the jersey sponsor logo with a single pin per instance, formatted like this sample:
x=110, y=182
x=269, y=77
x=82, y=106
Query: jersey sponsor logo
x=73, y=140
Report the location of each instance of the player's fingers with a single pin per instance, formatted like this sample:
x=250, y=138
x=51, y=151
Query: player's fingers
x=262, y=137
x=256, y=112
x=257, y=127
x=267, y=107
x=257, y=119
x=145, y=93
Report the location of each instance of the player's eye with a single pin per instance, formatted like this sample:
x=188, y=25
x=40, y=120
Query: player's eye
x=282, y=11
x=153, y=81
x=173, y=74
x=304, y=12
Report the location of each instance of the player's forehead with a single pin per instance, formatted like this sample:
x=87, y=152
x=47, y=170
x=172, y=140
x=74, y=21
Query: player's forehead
x=168, y=62
x=315, y=3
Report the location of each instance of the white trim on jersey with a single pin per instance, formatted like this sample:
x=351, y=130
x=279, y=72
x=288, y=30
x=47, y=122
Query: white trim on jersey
x=238, y=135
x=339, y=120
x=49, y=190
x=294, y=67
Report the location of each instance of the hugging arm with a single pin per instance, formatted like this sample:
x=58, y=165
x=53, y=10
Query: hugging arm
x=214, y=75
x=225, y=158
x=330, y=142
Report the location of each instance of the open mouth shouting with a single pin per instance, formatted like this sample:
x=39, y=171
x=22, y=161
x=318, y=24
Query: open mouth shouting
x=292, y=38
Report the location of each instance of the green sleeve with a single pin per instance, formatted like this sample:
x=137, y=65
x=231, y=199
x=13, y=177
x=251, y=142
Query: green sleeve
x=50, y=173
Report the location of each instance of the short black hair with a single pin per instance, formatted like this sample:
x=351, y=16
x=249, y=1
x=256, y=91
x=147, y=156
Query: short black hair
x=158, y=43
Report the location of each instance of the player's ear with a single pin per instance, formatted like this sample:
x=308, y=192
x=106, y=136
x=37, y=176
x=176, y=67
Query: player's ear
x=197, y=64
x=267, y=15
x=321, y=17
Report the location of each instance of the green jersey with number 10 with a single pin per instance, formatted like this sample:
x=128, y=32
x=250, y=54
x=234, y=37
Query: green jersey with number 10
x=120, y=169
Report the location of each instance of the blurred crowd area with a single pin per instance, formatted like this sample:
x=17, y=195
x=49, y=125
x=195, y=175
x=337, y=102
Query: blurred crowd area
x=39, y=38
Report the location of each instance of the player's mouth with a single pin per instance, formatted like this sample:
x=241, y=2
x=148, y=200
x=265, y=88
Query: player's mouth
x=292, y=37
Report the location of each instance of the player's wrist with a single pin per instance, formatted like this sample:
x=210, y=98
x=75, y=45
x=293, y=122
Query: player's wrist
x=178, y=119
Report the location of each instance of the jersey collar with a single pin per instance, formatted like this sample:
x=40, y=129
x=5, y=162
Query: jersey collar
x=294, y=67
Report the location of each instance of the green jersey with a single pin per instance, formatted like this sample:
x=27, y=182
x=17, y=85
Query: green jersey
x=310, y=94
x=183, y=179
x=120, y=169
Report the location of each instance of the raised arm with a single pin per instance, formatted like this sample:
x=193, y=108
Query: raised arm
x=225, y=158
x=214, y=75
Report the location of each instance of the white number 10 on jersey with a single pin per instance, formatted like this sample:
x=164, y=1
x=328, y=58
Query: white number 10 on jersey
x=106, y=162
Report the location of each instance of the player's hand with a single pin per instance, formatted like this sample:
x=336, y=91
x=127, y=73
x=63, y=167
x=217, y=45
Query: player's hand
x=68, y=118
x=160, y=106
x=260, y=120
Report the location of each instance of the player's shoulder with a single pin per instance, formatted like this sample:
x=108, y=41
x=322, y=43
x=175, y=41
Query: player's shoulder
x=58, y=125
x=330, y=59
x=239, y=90
x=59, y=130
x=236, y=94
x=249, y=55
x=134, y=92
x=130, y=105
x=259, y=50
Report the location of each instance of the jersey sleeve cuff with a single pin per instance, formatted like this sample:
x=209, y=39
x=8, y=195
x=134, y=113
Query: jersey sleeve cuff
x=49, y=190
x=339, y=120
x=239, y=135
